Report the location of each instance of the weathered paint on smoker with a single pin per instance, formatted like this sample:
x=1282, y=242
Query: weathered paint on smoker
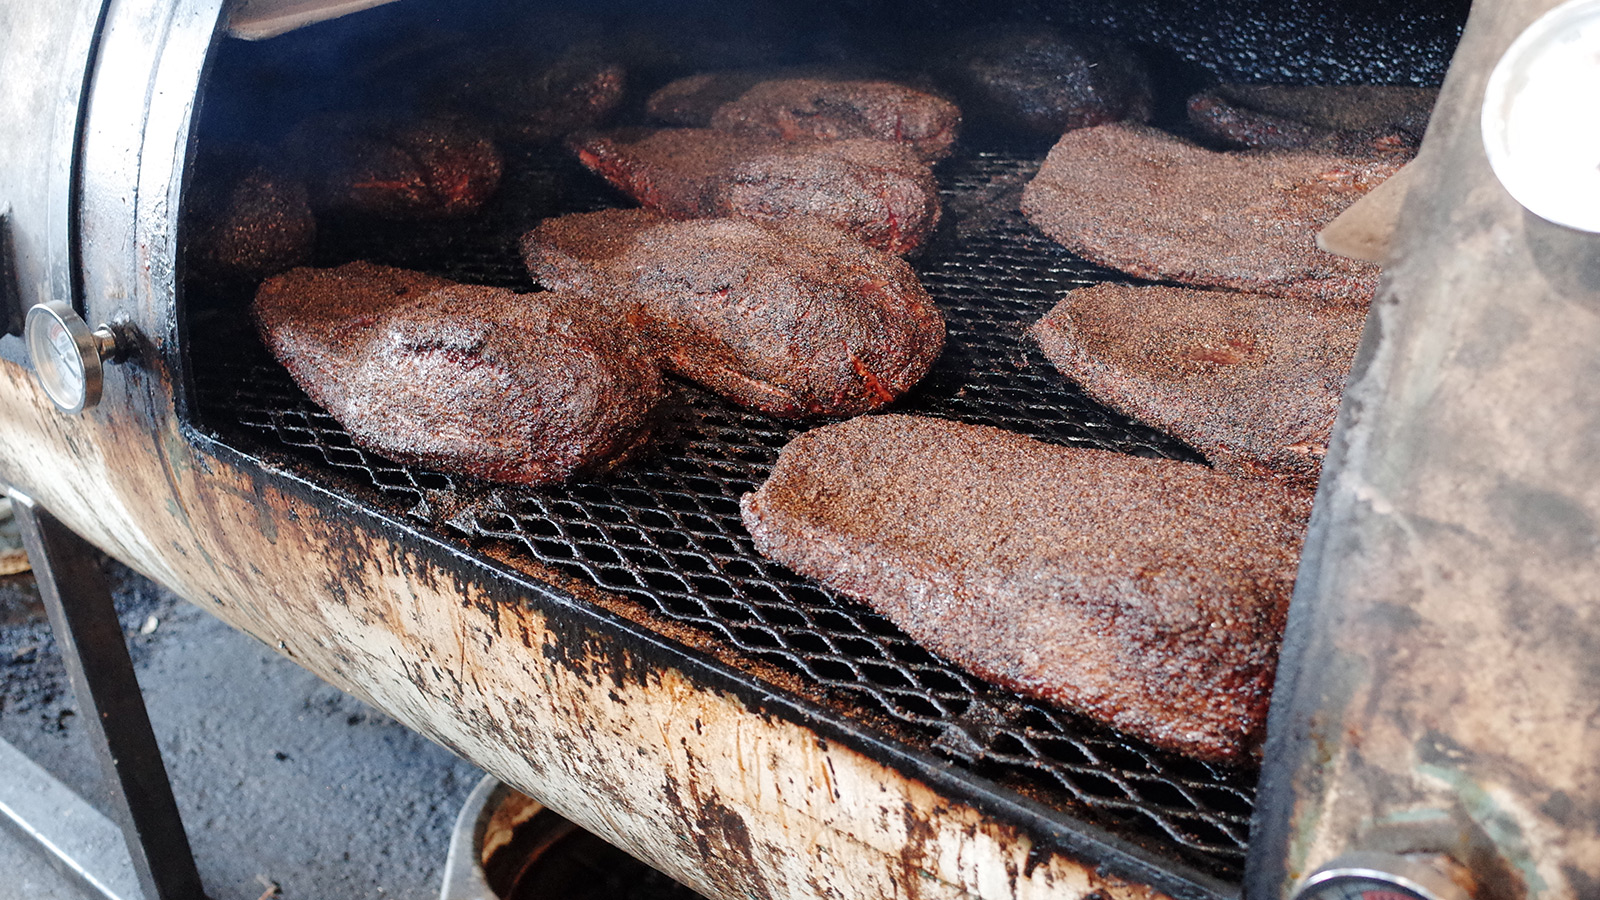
x=708, y=776
x=1440, y=686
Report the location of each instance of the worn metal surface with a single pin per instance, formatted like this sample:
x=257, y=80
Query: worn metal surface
x=1440, y=688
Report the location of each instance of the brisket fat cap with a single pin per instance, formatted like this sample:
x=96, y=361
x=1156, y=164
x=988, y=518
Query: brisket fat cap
x=1147, y=594
x=1146, y=203
x=875, y=190
x=1252, y=381
x=792, y=318
x=503, y=386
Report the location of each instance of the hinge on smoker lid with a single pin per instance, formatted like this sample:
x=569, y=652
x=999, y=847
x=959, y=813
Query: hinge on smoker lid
x=11, y=312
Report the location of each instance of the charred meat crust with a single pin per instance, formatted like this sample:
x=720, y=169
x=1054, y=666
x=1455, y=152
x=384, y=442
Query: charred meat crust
x=1037, y=82
x=524, y=388
x=814, y=107
x=1251, y=381
x=877, y=191
x=1147, y=594
x=1347, y=119
x=379, y=167
x=792, y=318
x=1143, y=202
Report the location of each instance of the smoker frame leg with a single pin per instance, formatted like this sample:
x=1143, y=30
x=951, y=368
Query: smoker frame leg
x=84, y=621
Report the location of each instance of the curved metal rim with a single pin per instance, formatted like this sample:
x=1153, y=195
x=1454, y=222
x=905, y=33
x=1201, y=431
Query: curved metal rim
x=1403, y=873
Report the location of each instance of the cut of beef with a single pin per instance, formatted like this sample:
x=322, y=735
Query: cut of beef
x=1041, y=83
x=878, y=191
x=816, y=107
x=1136, y=199
x=244, y=225
x=510, y=387
x=1251, y=381
x=370, y=165
x=1147, y=594
x=1349, y=119
x=792, y=318
x=527, y=100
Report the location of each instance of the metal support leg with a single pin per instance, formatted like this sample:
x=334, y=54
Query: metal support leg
x=96, y=655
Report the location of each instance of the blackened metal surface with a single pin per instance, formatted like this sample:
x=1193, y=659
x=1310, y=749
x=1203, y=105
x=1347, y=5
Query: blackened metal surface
x=664, y=535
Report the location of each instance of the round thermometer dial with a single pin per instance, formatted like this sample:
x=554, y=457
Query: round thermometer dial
x=1378, y=876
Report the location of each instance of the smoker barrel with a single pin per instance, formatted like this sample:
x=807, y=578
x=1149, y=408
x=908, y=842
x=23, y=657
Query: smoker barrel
x=615, y=647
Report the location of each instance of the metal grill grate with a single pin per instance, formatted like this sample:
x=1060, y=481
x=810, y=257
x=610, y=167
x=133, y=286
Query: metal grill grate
x=664, y=531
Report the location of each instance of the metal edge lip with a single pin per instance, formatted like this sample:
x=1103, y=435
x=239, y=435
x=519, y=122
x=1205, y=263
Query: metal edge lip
x=1053, y=828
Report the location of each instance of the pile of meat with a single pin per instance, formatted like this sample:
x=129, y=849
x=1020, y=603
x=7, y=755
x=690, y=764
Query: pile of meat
x=762, y=261
x=1146, y=594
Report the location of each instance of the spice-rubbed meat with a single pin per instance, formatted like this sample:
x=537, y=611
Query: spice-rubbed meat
x=1136, y=199
x=244, y=225
x=528, y=100
x=1251, y=381
x=1353, y=119
x=1038, y=82
x=1147, y=594
x=878, y=191
x=397, y=169
x=792, y=318
x=526, y=388
x=817, y=107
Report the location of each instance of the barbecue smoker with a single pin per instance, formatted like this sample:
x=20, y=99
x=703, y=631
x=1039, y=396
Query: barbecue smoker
x=614, y=647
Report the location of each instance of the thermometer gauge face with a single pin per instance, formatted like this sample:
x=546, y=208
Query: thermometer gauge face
x=1378, y=876
x=64, y=356
x=1357, y=888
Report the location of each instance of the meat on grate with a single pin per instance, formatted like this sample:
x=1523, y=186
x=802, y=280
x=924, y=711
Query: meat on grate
x=1354, y=119
x=814, y=106
x=878, y=191
x=1251, y=381
x=792, y=318
x=1146, y=203
x=526, y=388
x=1148, y=594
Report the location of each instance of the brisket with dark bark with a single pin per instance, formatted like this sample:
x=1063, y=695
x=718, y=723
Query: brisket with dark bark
x=1141, y=201
x=527, y=388
x=380, y=167
x=878, y=191
x=1041, y=83
x=818, y=106
x=792, y=318
x=1147, y=594
x=1347, y=119
x=1251, y=381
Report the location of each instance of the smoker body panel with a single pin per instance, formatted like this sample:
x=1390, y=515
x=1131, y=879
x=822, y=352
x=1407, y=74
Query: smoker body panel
x=1437, y=691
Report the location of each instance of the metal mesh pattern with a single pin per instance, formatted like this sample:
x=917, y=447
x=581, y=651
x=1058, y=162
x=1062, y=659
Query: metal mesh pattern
x=664, y=531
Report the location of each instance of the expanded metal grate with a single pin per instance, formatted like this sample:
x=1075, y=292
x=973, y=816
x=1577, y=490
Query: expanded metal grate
x=664, y=532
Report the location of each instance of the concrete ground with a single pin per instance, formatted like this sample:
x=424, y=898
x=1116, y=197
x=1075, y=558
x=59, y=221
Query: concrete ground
x=287, y=786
